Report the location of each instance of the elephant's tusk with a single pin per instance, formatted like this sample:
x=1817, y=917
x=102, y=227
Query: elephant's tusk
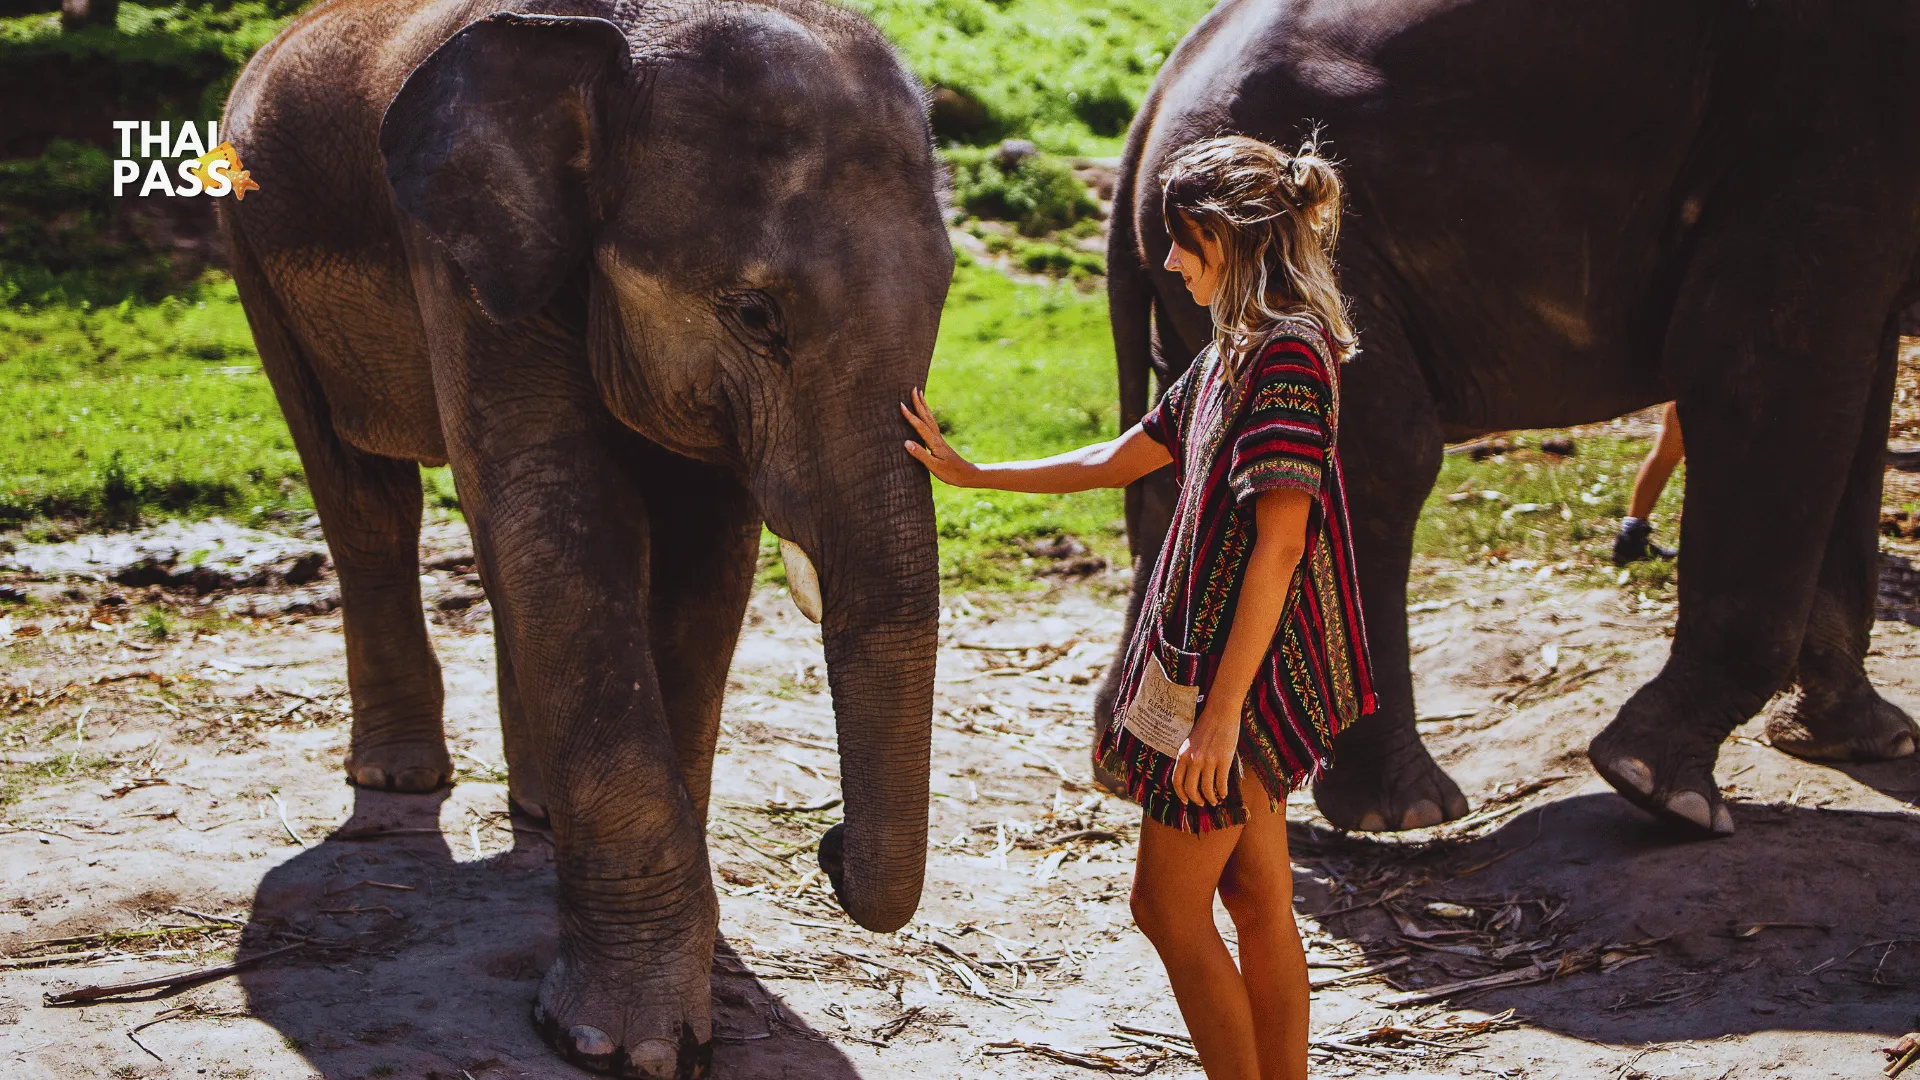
x=803, y=582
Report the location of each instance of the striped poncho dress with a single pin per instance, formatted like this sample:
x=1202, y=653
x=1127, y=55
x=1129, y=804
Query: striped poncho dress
x=1275, y=429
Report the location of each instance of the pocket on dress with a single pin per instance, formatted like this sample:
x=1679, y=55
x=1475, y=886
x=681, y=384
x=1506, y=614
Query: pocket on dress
x=1162, y=711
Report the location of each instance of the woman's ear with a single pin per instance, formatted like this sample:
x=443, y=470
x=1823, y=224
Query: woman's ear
x=487, y=145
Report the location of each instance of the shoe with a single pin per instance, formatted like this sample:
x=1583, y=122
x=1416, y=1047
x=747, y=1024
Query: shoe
x=1632, y=543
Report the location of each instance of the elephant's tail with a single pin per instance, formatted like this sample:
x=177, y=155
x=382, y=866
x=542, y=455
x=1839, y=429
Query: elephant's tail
x=1130, y=305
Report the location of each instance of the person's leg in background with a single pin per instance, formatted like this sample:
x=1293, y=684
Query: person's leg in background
x=1634, y=542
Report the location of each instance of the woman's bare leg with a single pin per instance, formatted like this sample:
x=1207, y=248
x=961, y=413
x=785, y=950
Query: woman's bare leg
x=1257, y=888
x=1173, y=886
x=1668, y=449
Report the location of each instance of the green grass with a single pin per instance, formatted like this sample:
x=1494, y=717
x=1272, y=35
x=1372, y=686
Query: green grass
x=140, y=408
x=1021, y=371
x=1577, y=506
x=1065, y=73
x=161, y=409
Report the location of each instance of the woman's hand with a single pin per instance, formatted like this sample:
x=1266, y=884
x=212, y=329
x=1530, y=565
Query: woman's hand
x=1200, y=772
x=936, y=455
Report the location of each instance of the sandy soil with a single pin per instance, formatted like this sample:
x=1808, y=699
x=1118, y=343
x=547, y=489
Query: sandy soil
x=195, y=782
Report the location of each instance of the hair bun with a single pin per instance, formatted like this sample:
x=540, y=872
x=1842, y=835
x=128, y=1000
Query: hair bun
x=1315, y=186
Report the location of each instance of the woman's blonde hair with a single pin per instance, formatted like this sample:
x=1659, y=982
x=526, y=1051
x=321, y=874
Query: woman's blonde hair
x=1276, y=216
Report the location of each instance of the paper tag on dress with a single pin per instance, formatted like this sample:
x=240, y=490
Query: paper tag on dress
x=1162, y=712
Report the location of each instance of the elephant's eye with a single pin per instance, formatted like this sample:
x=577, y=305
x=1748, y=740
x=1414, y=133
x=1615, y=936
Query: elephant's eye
x=754, y=319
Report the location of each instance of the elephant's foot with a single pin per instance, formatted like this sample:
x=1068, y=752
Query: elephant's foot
x=1854, y=724
x=1660, y=768
x=407, y=767
x=1386, y=788
x=619, y=1018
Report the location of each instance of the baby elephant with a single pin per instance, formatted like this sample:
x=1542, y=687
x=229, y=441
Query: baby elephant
x=647, y=276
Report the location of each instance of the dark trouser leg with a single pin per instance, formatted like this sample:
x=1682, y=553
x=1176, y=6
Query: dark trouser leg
x=705, y=544
x=1390, y=446
x=369, y=509
x=1834, y=714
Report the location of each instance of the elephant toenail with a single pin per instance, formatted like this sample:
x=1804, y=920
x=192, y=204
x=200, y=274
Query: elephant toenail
x=1420, y=815
x=1371, y=821
x=1902, y=746
x=656, y=1057
x=417, y=779
x=1691, y=805
x=590, y=1040
x=1722, y=821
x=370, y=776
x=1635, y=772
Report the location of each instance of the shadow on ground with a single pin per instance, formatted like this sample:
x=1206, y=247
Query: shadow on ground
x=427, y=966
x=1838, y=951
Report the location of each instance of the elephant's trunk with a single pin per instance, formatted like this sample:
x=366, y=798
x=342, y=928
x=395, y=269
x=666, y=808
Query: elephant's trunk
x=879, y=581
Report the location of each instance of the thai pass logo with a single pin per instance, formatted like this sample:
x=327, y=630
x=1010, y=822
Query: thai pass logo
x=200, y=170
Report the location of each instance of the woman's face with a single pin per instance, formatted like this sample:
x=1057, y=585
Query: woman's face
x=1199, y=269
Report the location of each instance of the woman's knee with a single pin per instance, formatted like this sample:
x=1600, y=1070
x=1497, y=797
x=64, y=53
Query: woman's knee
x=1163, y=917
x=1254, y=899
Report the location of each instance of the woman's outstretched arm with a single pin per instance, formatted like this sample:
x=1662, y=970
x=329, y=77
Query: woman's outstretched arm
x=1115, y=463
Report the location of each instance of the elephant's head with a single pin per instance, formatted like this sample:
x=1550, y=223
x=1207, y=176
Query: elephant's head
x=752, y=204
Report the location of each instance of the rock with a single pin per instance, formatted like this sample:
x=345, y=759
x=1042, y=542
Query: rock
x=459, y=601
x=954, y=114
x=268, y=605
x=1490, y=448
x=1100, y=174
x=75, y=14
x=1058, y=547
x=1011, y=153
x=1558, y=446
x=205, y=556
x=1085, y=566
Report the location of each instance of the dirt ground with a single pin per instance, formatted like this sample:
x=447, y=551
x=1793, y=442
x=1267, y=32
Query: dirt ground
x=189, y=803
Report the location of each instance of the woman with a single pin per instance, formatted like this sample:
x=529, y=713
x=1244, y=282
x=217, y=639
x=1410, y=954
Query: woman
x=1250, y=655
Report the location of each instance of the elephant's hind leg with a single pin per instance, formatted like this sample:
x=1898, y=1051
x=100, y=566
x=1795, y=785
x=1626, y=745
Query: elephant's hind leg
x=705, y=544
x=1834, y=713
x=369, y=507
x=1772, y=349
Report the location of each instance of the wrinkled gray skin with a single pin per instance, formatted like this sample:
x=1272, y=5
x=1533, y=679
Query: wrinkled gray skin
x=1560, y=213
x=646, y=275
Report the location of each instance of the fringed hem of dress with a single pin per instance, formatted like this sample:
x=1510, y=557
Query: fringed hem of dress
x=1146, y=777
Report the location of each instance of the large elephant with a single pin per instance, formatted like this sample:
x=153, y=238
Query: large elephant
x=646, y=275
x=1561, y=212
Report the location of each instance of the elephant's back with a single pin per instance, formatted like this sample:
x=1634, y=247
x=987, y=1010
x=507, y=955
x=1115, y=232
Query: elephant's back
x=321, y=234
x=305, y=112
x=1516, y=168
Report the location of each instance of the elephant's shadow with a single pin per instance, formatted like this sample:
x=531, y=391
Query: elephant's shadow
x=427, y=966
x=1851, y=964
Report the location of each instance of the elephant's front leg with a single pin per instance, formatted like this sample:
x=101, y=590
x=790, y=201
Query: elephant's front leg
x=1383, y=777
x=561, y=527
x=1833, y=713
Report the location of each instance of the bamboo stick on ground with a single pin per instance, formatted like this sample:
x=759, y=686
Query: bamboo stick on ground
x=85, y=994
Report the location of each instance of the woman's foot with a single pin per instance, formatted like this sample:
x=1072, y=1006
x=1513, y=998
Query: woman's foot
x=1635, y=543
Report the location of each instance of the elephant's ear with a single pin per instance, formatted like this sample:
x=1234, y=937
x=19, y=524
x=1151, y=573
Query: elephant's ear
x=487, y=145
